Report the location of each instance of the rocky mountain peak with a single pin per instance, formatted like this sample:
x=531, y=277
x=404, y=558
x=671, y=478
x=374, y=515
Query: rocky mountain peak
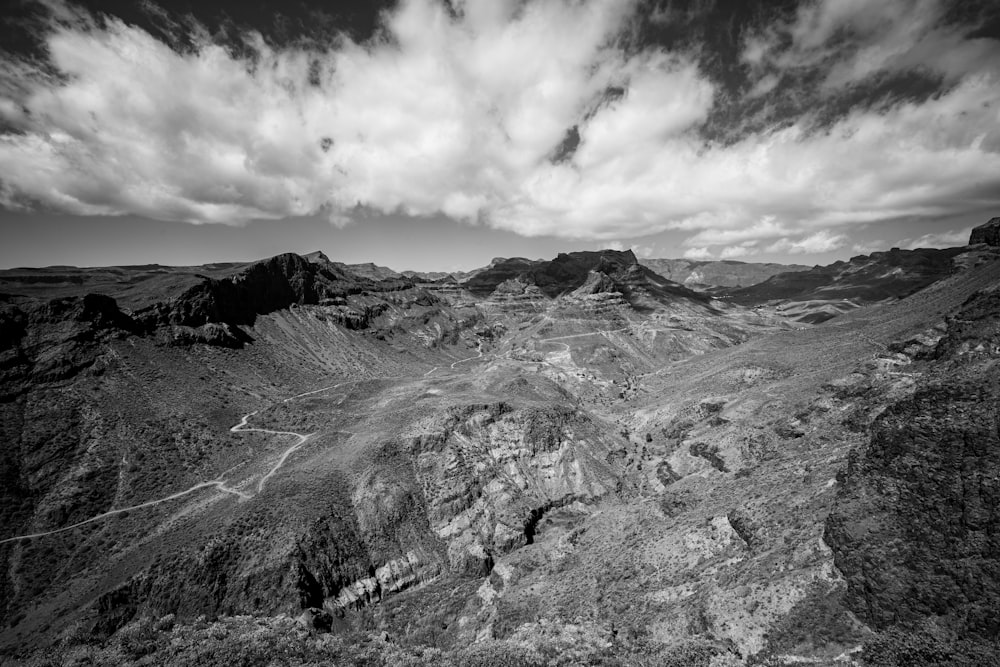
x=988, y=233
x=317, y=257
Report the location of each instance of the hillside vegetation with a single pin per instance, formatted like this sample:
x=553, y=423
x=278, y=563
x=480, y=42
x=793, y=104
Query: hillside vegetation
x=573, y=461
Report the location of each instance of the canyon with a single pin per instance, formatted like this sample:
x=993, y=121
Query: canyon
x=578, y=460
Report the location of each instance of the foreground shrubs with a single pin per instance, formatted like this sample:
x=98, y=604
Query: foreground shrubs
x=280, y=642
x=927, y=648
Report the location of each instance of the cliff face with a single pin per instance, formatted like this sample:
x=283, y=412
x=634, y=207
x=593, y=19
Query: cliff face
x=916, y=527
x=261, y=288
x=988, y=233
x=604, y=271
x=213, y=309
x=485, y=281
x=468, y=490
x=53, y=340
x=491, y=472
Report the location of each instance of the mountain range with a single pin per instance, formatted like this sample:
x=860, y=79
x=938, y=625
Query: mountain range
x=580, y=460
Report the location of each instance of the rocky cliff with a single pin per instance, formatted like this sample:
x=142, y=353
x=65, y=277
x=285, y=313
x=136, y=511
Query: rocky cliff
x=469, y=488
x=260, y=288
x=569, y=272
x=988, y=233
x=916, y=527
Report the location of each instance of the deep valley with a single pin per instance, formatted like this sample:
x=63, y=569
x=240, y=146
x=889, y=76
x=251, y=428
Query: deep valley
x=569, y=461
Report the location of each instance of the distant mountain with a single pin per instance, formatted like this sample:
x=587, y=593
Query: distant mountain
x=430, y=276
x=593, y=272
x=277, y=458
x=132, y=287
x=822, y=292
x=205, y=304
x=366, y=270
x=484, y=281
x=723, y=273
x=370, y=271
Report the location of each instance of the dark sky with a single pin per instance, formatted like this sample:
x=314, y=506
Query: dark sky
x=439, y=135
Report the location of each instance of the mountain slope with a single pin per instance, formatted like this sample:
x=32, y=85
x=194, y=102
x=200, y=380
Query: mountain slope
x=616, y=473
x=915, y=525
x=817, y=294
x=722, y=273
x=569, y=271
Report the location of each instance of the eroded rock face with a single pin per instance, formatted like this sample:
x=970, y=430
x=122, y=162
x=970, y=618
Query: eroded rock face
x=392, y=577
x=262, y=287
x=988, y=233
x=916, y=527
x=493, y=470
x=53, y=340
x=586, y=273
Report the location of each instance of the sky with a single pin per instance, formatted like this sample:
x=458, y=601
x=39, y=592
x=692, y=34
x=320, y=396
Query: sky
x=439, y=134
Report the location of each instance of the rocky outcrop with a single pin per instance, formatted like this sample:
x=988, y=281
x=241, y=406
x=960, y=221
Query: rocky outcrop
x=295, y=565
x=493, y=470
x=974, y=333
x=261, y=288
x=486, y=281
x=916, y=530
x=316, y=620
x=916, y=526
x=392, y=577
x=578, y=274
x=53, y=340
x=369, y=270
x=988, y=233
x=597, y=283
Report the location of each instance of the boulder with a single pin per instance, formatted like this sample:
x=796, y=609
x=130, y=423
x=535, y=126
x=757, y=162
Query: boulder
x=315, y=619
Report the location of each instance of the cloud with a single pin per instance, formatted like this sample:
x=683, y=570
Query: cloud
x=849, y=41
x=822, y=241
x=947, y=239
x=698, y=253
x=460, y=112
x=737, y=251
x=868, y=248
x=644, y=251
x=729, y=231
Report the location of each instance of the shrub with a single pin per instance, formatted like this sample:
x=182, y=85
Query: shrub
x=898, y=647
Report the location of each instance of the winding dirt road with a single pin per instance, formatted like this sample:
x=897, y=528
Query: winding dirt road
x=301, y=439
x=479, y=349
x=217, y=483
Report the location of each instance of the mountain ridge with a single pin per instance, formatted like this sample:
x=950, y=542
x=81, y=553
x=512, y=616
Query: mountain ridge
x=582, y=447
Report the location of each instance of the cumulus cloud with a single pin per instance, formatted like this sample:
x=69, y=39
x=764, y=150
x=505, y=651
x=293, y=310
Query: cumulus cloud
x=821, y=241
x=644, y=251
x=868, y=248
x=459, y=110
x=947, y=239
x=698, y=253
x=856, y=39
x=737, y=251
